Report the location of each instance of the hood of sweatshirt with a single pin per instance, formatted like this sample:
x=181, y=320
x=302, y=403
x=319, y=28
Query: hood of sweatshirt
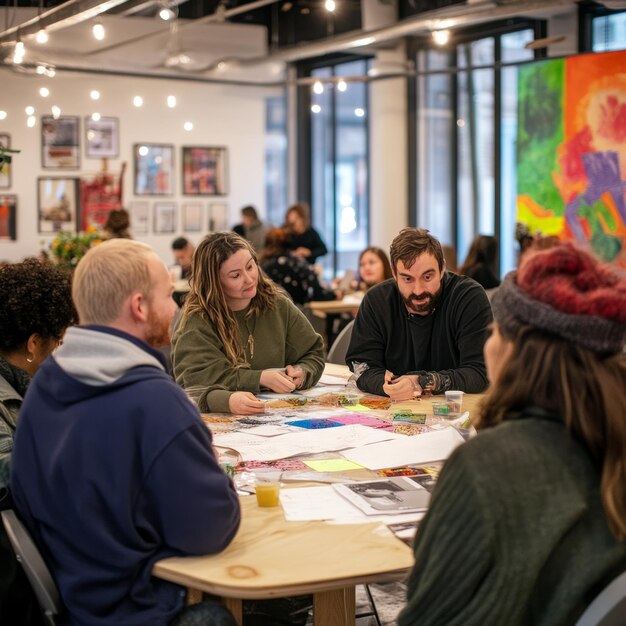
x=96, y=359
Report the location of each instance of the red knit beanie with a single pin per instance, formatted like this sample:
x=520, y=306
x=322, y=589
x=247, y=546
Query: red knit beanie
x=568, y=292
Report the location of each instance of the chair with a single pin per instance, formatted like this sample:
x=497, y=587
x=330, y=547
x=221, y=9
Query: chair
x=609, y=607
x=337, y=352
x=36, y=570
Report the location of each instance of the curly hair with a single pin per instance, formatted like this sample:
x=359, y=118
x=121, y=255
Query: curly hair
x=34, y=298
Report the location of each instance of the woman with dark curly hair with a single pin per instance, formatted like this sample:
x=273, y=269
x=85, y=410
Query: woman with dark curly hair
x=35, y=309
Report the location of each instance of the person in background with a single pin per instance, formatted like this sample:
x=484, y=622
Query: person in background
x=425, y=330
x=35, y=309
x=374, y=267
x=480, y=262
x=183, y=250
x=450, y=257
x=239, y=334
x=113, y=468
x=251, y=228
x=302, y=239
x=527, y=522
x=292, y=273
x=117, y=225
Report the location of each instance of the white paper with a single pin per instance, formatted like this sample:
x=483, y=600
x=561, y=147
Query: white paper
x=268, y=430
x=424, y=448
x=328, y=379
x=305, y=441
x=316, y=503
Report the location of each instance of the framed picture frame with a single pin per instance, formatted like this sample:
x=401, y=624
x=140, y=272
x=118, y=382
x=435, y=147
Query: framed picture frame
x=57, y=204
x=5, y=168
x=102, y=139
x=8, y=217
x=154, y=169
x=218, y=216
x=204, y=171
x=60, y=142
x=139, y=217
x=193, y=217
x=164, y=217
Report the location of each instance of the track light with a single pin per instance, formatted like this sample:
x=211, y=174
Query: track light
x=441, y=37
x=98, y=31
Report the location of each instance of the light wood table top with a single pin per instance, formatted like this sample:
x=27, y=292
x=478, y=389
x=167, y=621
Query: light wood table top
x=324, y=307
x=271, y=557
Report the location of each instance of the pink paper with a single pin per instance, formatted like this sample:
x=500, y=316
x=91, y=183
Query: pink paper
x=364, y=420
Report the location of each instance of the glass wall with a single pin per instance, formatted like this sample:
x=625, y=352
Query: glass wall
x=339, y=163
x=466, y=132
x=609, y=32
x=276, y=173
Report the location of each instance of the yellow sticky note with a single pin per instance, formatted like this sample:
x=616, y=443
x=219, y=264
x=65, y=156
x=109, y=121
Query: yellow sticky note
x=332, y=465
x=356, y=407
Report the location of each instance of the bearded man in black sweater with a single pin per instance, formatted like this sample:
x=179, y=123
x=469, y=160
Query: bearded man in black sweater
x=423, y=329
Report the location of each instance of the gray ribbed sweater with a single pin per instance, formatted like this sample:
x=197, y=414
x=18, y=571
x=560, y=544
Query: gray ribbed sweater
x=515, y=533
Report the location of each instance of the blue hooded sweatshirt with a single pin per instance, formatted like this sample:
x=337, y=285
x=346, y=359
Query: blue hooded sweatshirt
x=113, y=470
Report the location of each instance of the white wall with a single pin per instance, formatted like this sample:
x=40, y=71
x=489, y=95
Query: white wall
x=223, y=115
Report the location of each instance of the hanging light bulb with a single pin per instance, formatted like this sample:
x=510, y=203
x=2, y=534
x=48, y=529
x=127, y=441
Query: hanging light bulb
x=42, y=36
x=171, y=101
x=138, y=101
x=44, y=92
x=441, y=37
x=342, y=85
x=94, y=94
x=188, y=126
x=31, y=121
x=98, y=31
x=96, y=117
x=29, y=110
x=41, y=69
x=19, y=52
x=318, y=87
x=56, y=112
x=330, y=5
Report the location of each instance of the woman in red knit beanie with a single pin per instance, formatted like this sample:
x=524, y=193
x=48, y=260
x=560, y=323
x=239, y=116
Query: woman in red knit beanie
x=527, y=523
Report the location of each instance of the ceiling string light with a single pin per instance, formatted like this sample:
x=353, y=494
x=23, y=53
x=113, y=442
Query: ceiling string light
x=98, y=30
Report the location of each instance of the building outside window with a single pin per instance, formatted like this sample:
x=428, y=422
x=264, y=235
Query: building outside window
x=339, y=188
x=608, y=32
x=466, y=132
x=276, y=173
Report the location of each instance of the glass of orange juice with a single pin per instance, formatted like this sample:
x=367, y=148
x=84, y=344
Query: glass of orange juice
x=267, y=492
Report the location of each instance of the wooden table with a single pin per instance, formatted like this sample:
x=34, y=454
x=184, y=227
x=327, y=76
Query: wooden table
x=272, y=558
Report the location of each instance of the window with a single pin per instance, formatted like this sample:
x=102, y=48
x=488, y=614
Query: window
x=608, y=32
x=276, y=158
x=339, y=191
x=465, y=138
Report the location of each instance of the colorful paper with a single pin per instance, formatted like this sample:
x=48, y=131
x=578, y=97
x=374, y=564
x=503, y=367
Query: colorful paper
x=332, y=465
x=314, y=423
x=284, y=465
x=364, y=420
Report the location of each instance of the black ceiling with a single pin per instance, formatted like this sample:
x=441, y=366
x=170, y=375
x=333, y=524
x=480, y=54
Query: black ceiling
x=289, y=22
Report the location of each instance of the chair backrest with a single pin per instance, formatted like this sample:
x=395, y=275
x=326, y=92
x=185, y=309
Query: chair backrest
x=36, y=570
x=609, y=607
x=337, y=352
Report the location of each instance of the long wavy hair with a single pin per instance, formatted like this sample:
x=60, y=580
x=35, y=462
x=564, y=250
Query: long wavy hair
x=206, y=296
x=585, y=388
x=483, y=251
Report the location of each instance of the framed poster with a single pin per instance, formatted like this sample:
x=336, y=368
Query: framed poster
x=60, y=142
x=204, y=171
x=154, y=169
x=57, y=201
x=5, y=168
x=139, y=217
x=102, y=138
x=8, y=217
x=192, y=217
x=164, y=217
x=218, y=216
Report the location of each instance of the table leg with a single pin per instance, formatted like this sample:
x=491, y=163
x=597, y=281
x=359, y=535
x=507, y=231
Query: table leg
x=194, y=596
x=334, y=608
x=235, y=606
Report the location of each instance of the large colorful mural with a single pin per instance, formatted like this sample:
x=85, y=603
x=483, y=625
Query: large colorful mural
x=571, y=150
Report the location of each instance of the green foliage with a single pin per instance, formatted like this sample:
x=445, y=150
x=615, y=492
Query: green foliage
x=69, y=248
